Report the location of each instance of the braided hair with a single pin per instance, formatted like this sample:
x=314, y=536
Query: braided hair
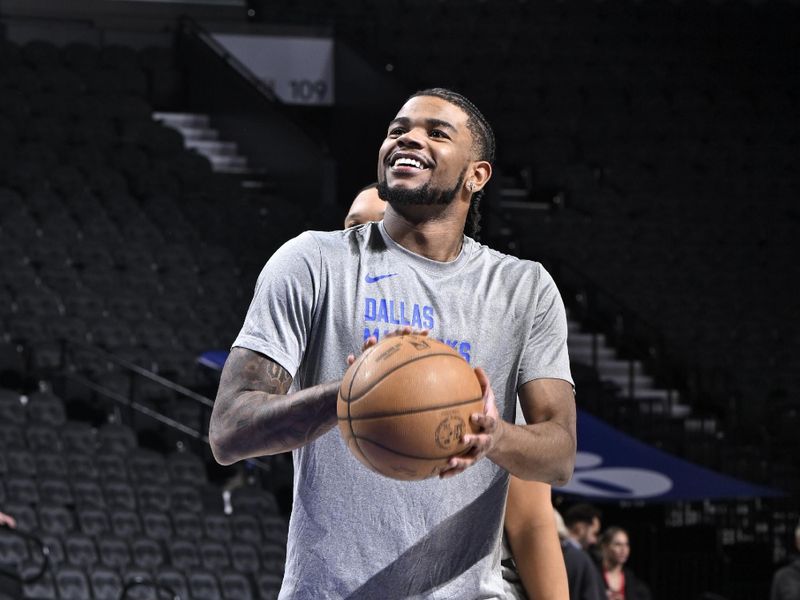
x=483, y=145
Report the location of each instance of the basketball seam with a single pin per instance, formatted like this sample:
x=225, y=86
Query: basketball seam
x=401, y=413
x=387, y=373
x=403, y=454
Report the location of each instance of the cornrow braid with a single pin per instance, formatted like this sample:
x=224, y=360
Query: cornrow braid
x=472, y=226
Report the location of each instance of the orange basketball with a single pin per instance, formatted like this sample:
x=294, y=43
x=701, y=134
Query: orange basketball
x=404, y=405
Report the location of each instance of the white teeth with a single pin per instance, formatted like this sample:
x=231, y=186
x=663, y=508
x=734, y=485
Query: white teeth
x=409, y=162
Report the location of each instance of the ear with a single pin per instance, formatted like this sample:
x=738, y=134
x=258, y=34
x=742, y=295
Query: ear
x=480, y=173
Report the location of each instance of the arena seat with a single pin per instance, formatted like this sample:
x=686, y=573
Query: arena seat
x=55, y=489
x=125, y=523
x=174, y=580
x=217, y=527
x=213, y=555
x=235, y=586
x=203, y=585
x=187, y=524
x=79, y=466
x=147, y=553
x=156, y=525
x=183, y=554
x=41, y=589
x=244, y=557
x=93, y=522
x=80, y=549
x=88, y=493
x=119, y=494
x=106, y=583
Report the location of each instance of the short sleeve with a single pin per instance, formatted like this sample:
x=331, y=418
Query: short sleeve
x=278, y=322
x=545, y=354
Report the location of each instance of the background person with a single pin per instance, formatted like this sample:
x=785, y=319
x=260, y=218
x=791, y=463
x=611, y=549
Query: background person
x=620, y=581
x=582, y=522
x=786, y=580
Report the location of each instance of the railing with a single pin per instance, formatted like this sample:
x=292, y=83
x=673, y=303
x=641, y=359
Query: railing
x=130, y=400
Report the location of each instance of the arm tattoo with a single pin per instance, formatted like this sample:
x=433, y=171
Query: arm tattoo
x=255, y=416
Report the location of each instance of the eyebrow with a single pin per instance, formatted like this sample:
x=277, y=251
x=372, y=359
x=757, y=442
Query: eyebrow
x=405, y=121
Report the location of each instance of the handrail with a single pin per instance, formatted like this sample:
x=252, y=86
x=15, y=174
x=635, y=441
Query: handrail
x=175, y=387
x=189, y=26
x=131, y=403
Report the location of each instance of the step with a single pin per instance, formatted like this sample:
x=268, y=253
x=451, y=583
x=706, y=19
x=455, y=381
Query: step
x=182, y=119
x=220, y=163
x=584, y=354
x=198, y=133
x=214, y=147
x=640, y=382
x=619, y=367
x=585, y=338
x=674, y=410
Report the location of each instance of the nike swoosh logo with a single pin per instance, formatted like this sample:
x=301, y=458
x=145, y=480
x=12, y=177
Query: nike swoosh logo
x=371, y=279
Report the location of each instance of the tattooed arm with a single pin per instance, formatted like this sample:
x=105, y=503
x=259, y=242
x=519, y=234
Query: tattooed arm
x=253, y=415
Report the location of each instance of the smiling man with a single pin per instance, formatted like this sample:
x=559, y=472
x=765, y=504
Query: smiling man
x=355, y=534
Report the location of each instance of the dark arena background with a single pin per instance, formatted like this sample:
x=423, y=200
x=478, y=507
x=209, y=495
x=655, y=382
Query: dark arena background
x=154, y=154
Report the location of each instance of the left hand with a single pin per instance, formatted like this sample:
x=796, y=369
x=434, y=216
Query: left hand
x=490, y=427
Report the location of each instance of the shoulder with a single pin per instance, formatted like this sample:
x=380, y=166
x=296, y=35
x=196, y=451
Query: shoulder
x=506, y=262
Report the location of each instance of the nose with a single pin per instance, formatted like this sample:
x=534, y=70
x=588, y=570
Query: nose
x=410, y=139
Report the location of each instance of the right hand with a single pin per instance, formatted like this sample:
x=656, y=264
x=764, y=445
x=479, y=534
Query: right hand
x=372, y=340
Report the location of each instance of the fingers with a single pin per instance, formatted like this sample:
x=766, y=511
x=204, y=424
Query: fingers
x=478, y=445
x=407, y=330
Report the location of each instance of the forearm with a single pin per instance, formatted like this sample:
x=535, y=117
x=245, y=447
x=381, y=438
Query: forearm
x=540, y=562
x=530, y=527
x=541, y=452
x=257, y=423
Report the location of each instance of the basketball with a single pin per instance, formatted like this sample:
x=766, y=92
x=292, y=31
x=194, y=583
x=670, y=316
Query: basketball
x=404, y=405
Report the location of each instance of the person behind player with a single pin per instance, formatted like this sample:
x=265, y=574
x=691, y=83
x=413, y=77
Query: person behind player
x=534, y=569
x=366, y=207
x=353, y=533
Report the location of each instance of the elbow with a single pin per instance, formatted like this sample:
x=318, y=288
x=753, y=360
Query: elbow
x=563, y=473
x=564, y=467
x=221, y=448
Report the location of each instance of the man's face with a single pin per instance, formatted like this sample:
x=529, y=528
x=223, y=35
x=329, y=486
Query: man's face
x=586, y=534
x=366, y=207
x=426, y=153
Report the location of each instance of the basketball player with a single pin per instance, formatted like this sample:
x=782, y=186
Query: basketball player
x=533, y=565
x=355, y=534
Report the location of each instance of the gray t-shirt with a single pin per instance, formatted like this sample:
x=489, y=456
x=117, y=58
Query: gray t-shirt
x=356, y=534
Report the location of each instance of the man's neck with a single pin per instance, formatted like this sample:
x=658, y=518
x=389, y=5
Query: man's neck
x=574, y=541
x=435, y=232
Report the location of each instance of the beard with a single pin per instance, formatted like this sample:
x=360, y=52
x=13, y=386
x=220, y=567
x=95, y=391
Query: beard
x=424, y=196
